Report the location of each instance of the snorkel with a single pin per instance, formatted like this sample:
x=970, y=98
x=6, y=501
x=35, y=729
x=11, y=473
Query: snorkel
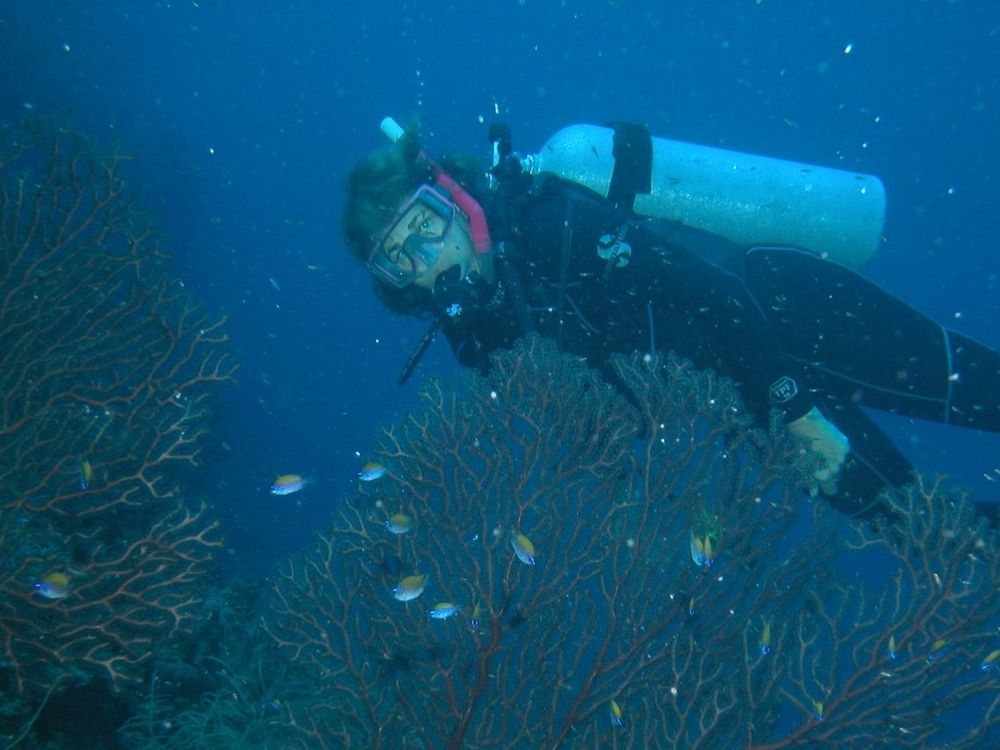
x=464, y=202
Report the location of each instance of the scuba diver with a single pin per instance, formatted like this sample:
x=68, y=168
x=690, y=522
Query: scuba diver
x=491, y=257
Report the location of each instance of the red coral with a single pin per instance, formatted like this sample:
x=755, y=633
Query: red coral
x=770, y=646
x=106, y=363
x=546, y=448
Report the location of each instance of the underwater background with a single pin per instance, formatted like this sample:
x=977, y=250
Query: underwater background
x=245, y=117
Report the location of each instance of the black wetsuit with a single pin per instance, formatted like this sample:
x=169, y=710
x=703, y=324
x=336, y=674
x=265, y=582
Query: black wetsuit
x=791, y=330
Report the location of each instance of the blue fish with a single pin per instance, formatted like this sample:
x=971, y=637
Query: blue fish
x=371, y=471
x=286, y=484
x=444, y=610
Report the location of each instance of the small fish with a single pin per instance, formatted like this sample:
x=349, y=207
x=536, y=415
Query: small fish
x=818, y=710
x=523, y=547
x=53, y=586
x=371, y=471
x=475, y=617
x=615, y=713
x=893, y=654
x=86, y=472
x=691, y=607
x=701, y=550
x=399, y=523
x=988, y=662
x=286, y=484
x=939, y=645
x=444, y=610
x=765, y=640
x=409, y=588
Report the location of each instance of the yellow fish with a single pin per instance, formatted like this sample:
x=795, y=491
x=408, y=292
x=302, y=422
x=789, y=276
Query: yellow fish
x=409, y=588
x=701, y=550
x=399, y=523
x=615, y=712
x=53, y=586
x=936, y=648
x=987, y=664
x=86, y=472
x=765, y=640
x=286, y=484
x=371, y=471
x=523, y=548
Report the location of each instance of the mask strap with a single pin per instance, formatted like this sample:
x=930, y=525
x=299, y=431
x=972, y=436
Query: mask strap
x=467, y=205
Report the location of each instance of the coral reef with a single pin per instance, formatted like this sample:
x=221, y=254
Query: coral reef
x=106, y=371
x=615, y=573
x=679, y=572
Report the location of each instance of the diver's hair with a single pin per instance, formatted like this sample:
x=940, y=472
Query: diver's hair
x=376, y=186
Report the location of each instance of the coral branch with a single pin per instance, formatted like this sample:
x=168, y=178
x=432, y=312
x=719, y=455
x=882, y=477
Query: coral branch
x=106, y=372
x=773, y=641
x=615, y=608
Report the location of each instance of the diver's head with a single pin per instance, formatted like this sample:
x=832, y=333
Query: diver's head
x=403, y=221
x=376, y=188
x=428, y=235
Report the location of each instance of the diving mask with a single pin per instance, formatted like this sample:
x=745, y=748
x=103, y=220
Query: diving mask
x=412, y=241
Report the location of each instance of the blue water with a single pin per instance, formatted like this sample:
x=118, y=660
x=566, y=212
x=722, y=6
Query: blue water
x=246, y=116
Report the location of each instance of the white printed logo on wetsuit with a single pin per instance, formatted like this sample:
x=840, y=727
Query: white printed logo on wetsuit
x=783, y=390
x=613, y=247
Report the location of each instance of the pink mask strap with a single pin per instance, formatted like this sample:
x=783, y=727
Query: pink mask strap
x=468, y=206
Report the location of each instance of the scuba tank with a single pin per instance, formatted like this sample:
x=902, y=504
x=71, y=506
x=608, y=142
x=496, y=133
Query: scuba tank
x=751, y=200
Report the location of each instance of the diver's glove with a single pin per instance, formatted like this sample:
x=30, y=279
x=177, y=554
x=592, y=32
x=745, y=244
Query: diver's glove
x=829, y=442
x=457, y=298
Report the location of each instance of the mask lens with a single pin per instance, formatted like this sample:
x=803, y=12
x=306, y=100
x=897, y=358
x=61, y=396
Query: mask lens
x=412, y=241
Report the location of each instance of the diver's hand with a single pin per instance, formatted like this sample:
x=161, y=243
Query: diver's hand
x=829, y=442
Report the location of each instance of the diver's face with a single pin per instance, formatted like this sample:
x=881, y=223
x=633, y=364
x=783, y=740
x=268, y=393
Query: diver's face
x=453, y=245
x=457, y=251
x=427, y=236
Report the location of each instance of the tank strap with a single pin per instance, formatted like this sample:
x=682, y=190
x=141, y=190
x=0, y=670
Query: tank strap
x=633, y=171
